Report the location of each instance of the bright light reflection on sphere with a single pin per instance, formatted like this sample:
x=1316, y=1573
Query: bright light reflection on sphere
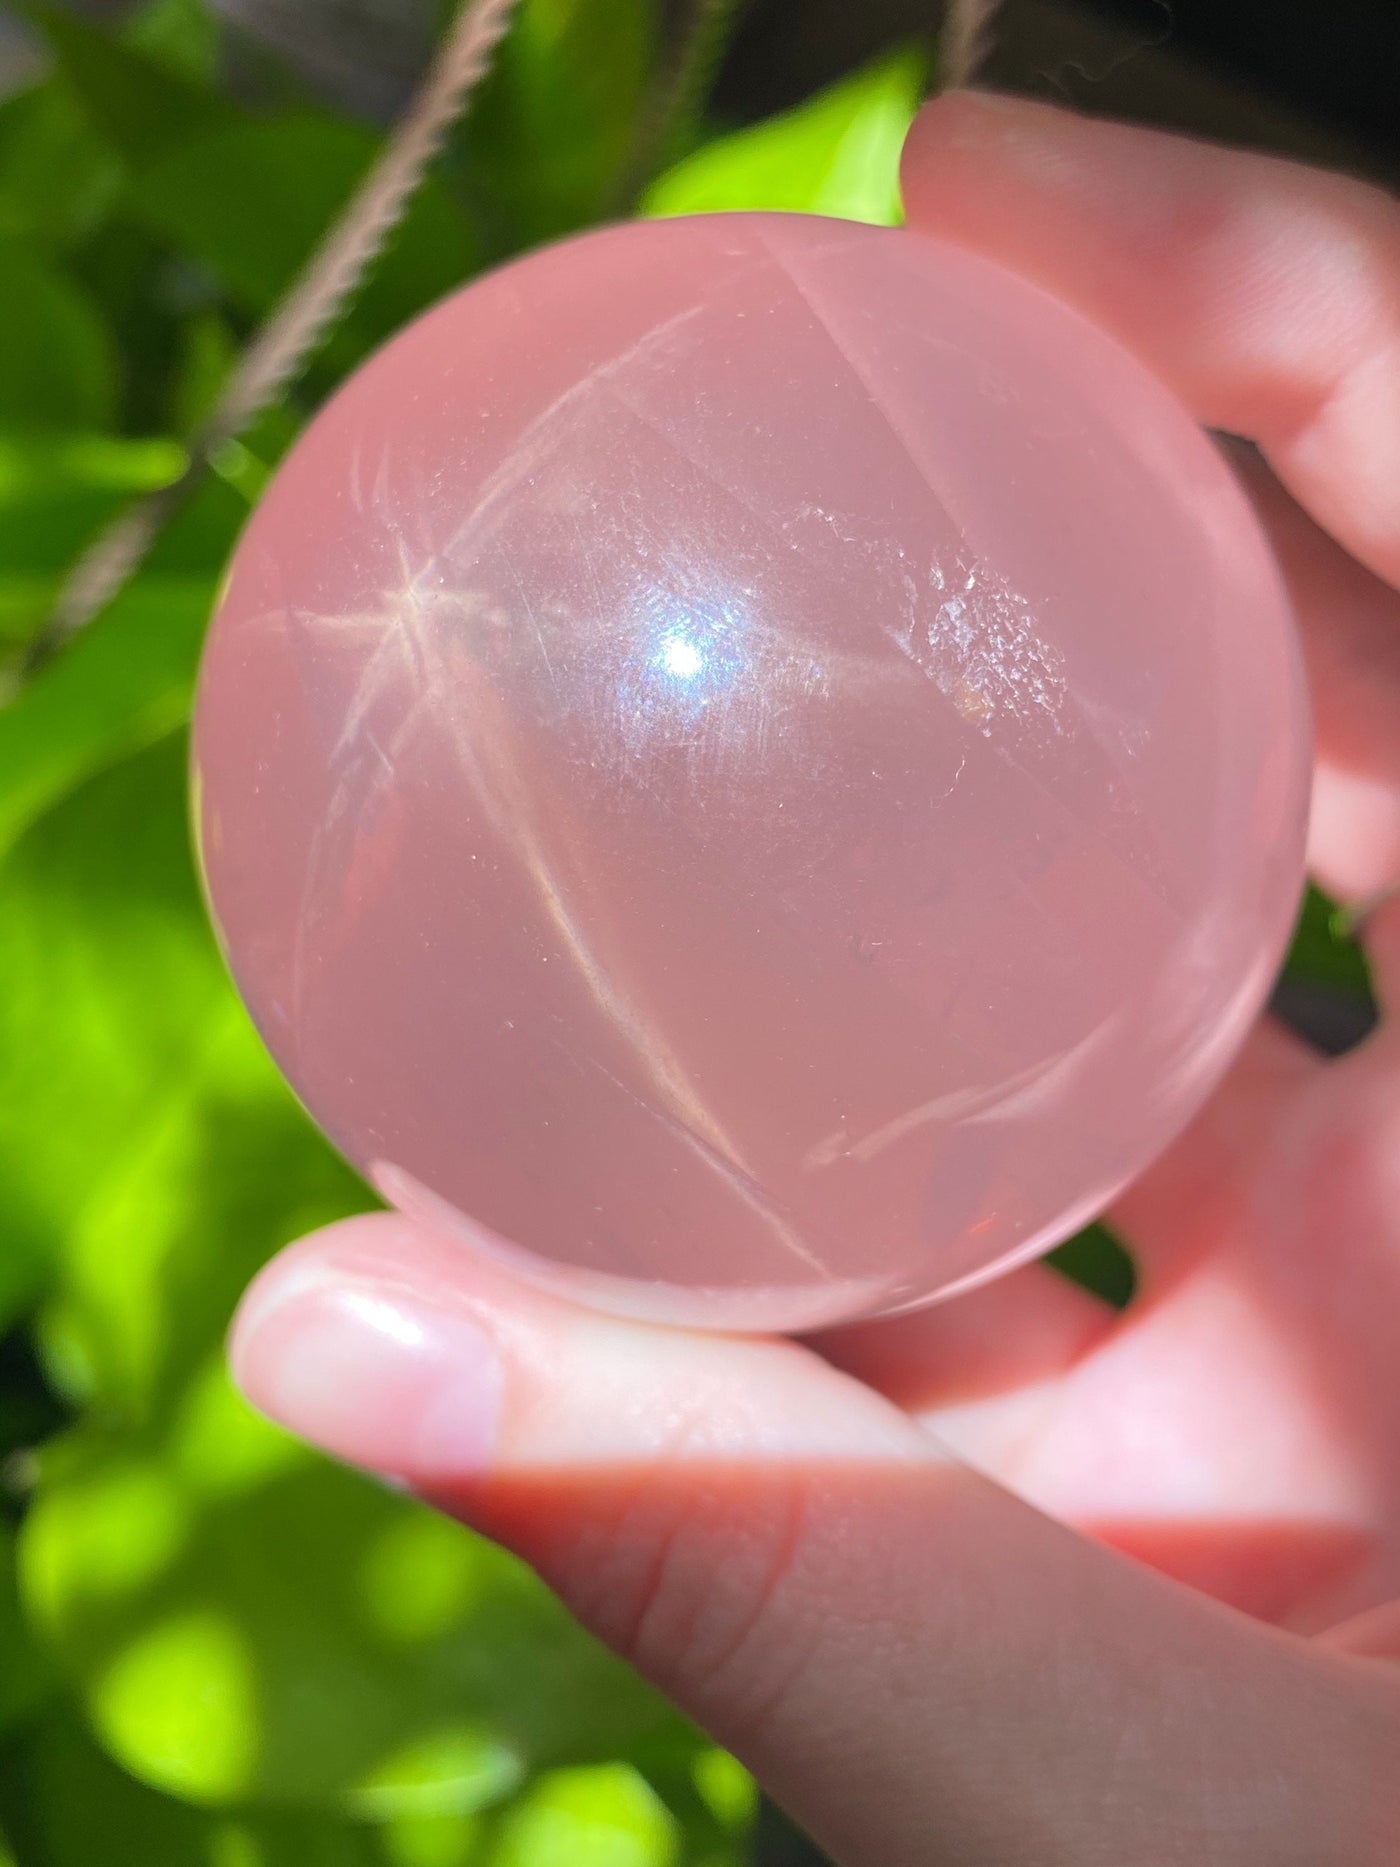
x=760, y=763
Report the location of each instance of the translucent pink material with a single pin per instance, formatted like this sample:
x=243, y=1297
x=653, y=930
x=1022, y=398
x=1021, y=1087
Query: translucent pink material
x=758, y=762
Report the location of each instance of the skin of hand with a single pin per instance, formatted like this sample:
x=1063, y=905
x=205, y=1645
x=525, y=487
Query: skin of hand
x=1018, y=1581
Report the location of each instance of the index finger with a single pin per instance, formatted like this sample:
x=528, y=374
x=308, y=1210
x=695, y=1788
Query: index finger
x=1266, y=293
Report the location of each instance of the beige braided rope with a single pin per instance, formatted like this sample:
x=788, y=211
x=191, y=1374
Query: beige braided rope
x=966, y=41
x=279, y=350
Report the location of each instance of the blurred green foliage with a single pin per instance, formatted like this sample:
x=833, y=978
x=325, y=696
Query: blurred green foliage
x=216, y=1648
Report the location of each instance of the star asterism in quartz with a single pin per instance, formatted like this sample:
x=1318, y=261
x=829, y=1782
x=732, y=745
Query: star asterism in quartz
x=755, y=766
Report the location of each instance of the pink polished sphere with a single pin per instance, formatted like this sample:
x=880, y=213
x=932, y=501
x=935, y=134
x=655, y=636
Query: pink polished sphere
x=755, y=763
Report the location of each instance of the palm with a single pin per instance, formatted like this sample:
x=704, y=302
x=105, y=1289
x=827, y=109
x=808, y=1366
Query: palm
x=1239, y=1425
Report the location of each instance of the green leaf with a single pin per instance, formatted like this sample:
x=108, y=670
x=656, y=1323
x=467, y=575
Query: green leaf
x=230, y=1607
x=124, y=683
x=57, y=176
x=57, y=364
x=24, y=1676
x=68, y=1805
x=836, y=154
x=69, y=465
x=1324, y=951
x=139, y=104
x=127, y=679
x=252, y=203
x=552, y=127
x=100, y=990
x=180, y=34
x=589, y=1818
x=208, y=351
x=30, y=1411
x=131, y=1081
x=145, y=292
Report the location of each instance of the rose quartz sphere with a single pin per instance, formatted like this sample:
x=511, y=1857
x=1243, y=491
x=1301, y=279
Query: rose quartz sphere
x=755, y=767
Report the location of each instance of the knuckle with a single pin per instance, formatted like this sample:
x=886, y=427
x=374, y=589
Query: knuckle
x=688, y=1576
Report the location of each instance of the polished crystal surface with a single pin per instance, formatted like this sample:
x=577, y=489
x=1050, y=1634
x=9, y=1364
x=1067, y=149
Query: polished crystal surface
x=760, y=761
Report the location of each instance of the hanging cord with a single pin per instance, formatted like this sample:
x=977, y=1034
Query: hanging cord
x=701, y=38
x=280, y=348
x=967, y=27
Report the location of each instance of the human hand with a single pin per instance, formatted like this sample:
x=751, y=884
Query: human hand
x=878, y=1566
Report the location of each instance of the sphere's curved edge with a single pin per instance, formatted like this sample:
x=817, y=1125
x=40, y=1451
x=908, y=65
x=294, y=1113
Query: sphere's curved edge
x=758, y=1311
x=768, y=1306
x=722, y=1310
x=773, y=1310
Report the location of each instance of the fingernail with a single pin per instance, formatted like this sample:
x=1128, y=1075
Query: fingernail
x=371, y=1373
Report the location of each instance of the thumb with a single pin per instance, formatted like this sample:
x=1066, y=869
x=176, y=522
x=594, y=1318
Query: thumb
x=920, y=1667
